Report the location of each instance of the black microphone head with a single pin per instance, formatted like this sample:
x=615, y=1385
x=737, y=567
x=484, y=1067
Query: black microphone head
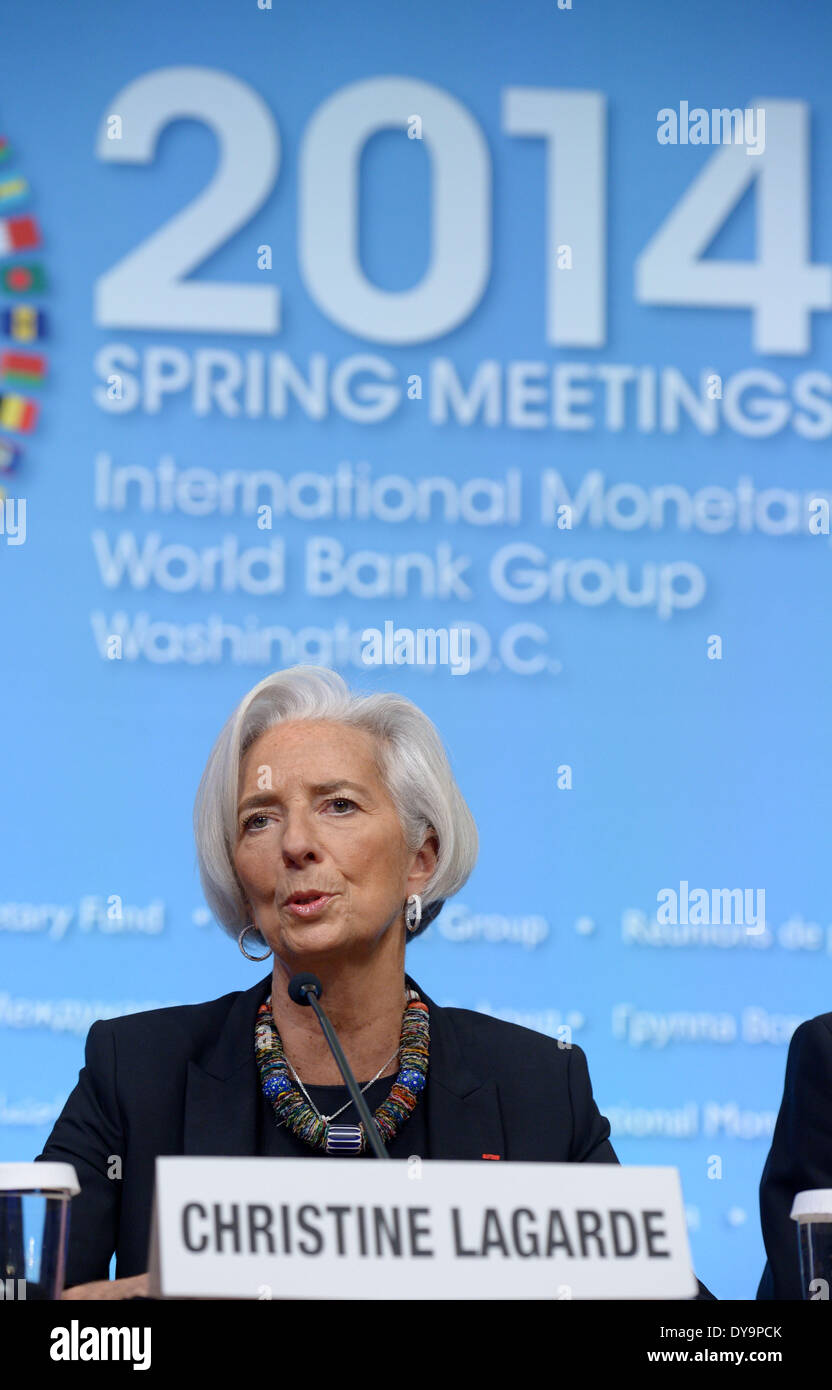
x=302, y=985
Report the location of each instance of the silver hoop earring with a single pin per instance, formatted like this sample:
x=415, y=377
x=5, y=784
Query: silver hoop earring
x=240, y=940
x=413, y=912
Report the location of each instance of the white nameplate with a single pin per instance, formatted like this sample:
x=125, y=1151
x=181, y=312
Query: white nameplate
x=346, y=1228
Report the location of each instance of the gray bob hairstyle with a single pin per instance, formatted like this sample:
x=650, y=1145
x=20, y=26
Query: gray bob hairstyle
x=412, y=765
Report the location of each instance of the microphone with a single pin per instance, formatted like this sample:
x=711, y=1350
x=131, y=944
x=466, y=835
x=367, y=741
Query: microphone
x=306, y=988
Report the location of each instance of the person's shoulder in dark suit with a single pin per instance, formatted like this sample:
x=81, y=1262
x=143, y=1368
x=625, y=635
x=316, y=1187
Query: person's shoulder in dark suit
x=543, y=1082
x=800, y=1157
x=127, y=1106
x=188, y=1028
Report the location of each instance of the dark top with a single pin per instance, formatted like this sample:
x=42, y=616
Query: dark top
x=184, y=1080
x=276, y=1141
x=800, y=1157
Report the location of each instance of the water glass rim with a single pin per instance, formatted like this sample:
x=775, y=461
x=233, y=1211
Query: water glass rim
x=48, y=1179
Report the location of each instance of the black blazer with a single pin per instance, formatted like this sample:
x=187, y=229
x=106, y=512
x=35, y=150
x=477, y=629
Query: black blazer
x=800, y=1156
x=184, y=1081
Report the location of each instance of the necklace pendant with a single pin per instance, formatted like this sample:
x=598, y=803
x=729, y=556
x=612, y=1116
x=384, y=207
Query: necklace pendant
x=343, y=1139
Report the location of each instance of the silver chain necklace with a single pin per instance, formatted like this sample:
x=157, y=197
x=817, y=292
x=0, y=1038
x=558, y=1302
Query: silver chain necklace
x=327, y=1119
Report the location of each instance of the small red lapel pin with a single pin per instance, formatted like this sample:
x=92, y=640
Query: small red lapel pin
x=491, y=1156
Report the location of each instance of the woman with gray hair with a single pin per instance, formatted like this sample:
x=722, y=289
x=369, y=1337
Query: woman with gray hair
x=330, y=830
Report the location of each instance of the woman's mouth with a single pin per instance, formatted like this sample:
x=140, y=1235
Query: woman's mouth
x=308, y=905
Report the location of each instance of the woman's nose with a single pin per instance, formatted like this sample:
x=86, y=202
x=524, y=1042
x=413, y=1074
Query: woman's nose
x=299, y=837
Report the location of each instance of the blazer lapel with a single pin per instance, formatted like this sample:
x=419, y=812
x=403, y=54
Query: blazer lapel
x=222, y=1093
x=463, y=1111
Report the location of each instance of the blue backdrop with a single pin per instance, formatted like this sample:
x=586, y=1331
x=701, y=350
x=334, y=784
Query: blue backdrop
x=426, y=318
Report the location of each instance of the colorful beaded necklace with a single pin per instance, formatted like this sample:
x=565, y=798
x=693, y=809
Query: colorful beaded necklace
x=293, y=1110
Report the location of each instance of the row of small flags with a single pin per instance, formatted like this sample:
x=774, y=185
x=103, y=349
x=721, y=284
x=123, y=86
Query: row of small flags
x=24, y=324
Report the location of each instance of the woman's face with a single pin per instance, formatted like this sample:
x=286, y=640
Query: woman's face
x=313, y=817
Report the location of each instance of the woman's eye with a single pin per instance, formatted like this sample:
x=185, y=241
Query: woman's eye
x=337, y=801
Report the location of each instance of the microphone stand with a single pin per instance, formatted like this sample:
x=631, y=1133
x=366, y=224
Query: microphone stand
x=306, y=989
